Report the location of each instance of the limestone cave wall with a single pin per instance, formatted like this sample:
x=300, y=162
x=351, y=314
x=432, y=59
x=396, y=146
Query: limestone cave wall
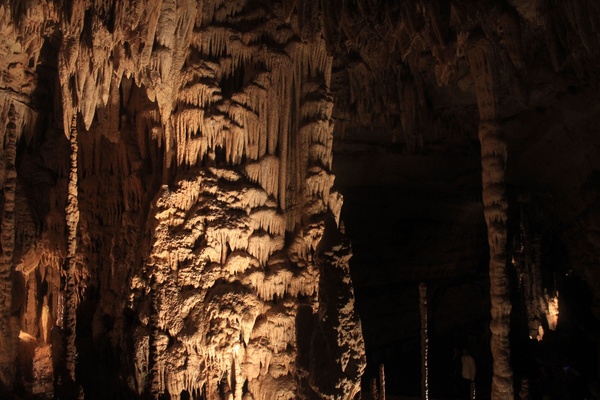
x=169, y=226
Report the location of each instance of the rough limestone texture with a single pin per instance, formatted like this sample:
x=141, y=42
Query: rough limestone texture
x=171, y=228
x=495, y=205
x=145, y=142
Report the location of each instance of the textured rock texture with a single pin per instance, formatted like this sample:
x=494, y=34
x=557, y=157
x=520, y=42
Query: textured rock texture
x=170, y=226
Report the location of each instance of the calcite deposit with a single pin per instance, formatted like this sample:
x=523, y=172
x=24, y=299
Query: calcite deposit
x=172, y=227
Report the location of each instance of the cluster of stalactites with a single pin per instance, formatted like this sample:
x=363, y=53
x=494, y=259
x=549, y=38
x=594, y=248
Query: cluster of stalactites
x=225, y=290
x=216, y=88
x=232, y=254
x=188, y=58
x=423, y=45
x=232, y=249
x=25, y=120
x=17, y=121
x=35, y=256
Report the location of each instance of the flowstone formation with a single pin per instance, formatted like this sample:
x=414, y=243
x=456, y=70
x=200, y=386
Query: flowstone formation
x=169, y=224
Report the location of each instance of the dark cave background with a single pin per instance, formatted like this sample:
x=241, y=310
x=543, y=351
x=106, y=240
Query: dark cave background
x=414, y=212
x=417, y=217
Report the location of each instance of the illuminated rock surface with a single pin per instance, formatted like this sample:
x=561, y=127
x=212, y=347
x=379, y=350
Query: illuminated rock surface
x=172, y=219
x=175, y=218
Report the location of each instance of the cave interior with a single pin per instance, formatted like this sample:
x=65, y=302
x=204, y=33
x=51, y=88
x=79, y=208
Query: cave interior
x=242, y=199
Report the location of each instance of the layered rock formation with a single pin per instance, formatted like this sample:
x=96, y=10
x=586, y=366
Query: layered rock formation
x=169, y=225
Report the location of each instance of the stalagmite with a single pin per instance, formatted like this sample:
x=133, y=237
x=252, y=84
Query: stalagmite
x=424, y=342
x=31, y=324
x=493, y=162
x=374, y=392
x=381, y=382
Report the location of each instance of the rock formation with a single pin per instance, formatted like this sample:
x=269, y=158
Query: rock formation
x=171, y=225
x=493, y=162
x=519, y=79
x=173, y=212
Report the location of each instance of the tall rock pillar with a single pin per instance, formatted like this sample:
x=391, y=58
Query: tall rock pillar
x=72, y=222
x=493, y=163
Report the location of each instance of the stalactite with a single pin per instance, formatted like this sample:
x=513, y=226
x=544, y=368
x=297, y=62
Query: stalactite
x=229, y=250
x=266, y=173
x=31, y=323
x=493, y=162
x=424, y=342
x=72, y=223
x=284, y=128
x=8, y=336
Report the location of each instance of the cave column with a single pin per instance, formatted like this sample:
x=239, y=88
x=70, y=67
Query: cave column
x=493, y=163
x=72, y=220
x=8, y=339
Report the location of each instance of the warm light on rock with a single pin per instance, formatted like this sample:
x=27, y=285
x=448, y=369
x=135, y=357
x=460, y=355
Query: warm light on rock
x=189, y=220
x=178, y=177
x=552, y=312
